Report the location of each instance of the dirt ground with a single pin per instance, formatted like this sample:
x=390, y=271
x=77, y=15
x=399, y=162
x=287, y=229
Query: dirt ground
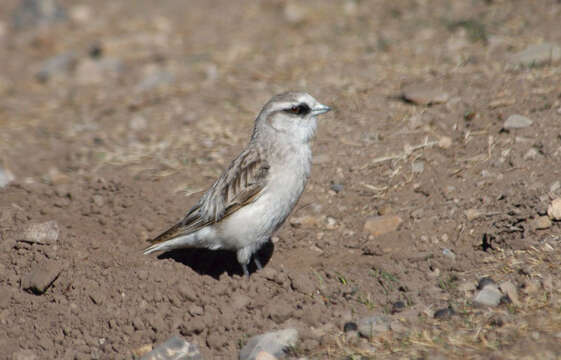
x=151, y=101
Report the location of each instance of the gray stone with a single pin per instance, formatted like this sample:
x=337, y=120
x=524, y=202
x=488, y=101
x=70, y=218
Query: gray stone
x=490, y=295
x=537, y=55
x=174, y=348
x=449, y=254
x=6, y=177
x=273, y=343
x=373, y=325
x=516, y=121
x=33, y=13
x=56, y=66
x=41, y=277
x=41, y=233
x=155, y=80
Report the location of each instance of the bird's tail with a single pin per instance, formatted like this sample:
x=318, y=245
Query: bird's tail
x=172, y=239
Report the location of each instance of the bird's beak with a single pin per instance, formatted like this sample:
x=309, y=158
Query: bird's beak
x=320, y=109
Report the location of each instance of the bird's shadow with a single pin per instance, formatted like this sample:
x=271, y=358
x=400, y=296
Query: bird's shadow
x=216, y=262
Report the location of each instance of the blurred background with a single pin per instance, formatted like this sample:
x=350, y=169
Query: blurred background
x=446, y=127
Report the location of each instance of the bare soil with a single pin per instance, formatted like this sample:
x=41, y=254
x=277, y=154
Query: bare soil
x=115, y=160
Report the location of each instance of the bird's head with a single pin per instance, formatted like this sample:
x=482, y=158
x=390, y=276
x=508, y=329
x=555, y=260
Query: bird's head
x=291, y=114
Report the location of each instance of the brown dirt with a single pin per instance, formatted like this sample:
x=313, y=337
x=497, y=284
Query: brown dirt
x=112, y=165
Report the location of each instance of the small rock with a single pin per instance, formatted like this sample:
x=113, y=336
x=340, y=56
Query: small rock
x=335, y=187
x=531, y=154
x=373, y=325
x=196, y=310
x=56, y=66
x=449, y=254
x=490, y=295
x=472, y=214
x=379, y=225
x=542, y=223
x=6, y=177
x=306, y=221
x=554, y=209
x=397, y=307
x=24, y=355
x=516, y=121
x=41, y=233
x=155, y=80
x=537, y=55
x=350, y=326
x=556, y=185
x=174, y=348
x=144, y=349
x=41, y=277
x=509, y=289
x=445, y=142
x=273, y=343
x=443, y=314
x=484, y=281
x=34, y=13
x=425, y=95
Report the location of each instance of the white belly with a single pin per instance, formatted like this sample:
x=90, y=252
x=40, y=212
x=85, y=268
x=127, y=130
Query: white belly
x=256, y=222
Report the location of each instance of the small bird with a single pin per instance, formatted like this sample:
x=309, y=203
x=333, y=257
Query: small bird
x=257, y=192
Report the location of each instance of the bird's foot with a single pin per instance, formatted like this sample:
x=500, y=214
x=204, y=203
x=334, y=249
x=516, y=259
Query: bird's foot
x=257, y=263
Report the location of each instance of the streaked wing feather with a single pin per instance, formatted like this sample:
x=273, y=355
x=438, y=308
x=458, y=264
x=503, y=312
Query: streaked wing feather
x=239, y=185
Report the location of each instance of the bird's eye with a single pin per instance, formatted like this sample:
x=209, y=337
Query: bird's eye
x=301, y=109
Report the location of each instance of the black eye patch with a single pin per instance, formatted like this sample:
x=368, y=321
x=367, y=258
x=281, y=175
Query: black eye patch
x=301, y=109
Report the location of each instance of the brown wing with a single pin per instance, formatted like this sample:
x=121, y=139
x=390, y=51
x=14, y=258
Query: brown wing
x=239, y=185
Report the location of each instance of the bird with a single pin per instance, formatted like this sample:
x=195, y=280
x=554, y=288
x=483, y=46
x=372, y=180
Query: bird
x=256, y=193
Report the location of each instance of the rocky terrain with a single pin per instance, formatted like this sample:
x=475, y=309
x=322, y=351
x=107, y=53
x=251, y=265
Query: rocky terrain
x=430, y=228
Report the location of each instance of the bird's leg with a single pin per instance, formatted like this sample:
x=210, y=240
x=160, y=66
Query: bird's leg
x=257, y=263
x=245, y=271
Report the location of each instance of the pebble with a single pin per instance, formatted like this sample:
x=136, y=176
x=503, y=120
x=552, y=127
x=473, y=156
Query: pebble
x=472, y=214
x=484, y=281
x=155, y=80
x=537, y=55
x=445, y=142
x=41, y=277
x=41, y=233
x=80, y=14
x=449, y=254
x=306, y=221
x=516, y=121
x=6, y=177
x=509, y=289
x=373, y=325
x=425, y=95
x=490, y=295
x=335, y=187
x=56, y=65
x=443, y=314
x=379, y=225
x=542, y=223
x=273, y=343
x=397, y=307
x=174, y=348
x=554, y=209
x=34, y=13
x=350, y=326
